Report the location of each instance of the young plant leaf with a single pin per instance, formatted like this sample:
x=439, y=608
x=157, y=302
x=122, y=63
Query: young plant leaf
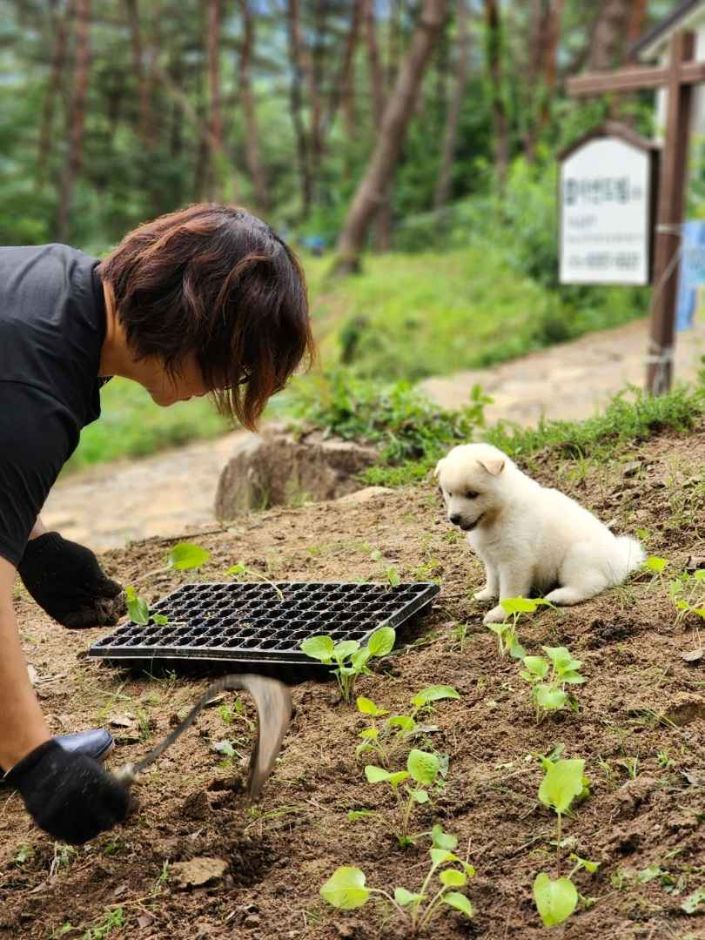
x=161, y=620
x=345, y=889
x=443, y=840
x=655, y=564
x=519, y=605
x=355, y=814
x=423, y=767
x=536, y=668
x=404, y=723
x=458, y=901
x=367, y=707
x=344, y=649
x=236, y=570
x=546, y=696
x=393, y=577
x=555, y=900
x=452, y=878
x=381, y=643
x=137, y=608
x=419, y=796
x=359, y=659
x=186, y=556
x=319, y=647
x=562, y=784
x=442, y=857
x=404, y=897
x=379, y=775
x=434, y=693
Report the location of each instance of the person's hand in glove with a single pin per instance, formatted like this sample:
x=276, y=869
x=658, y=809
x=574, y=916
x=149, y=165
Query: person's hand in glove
x=65, y=579
x=68, y=795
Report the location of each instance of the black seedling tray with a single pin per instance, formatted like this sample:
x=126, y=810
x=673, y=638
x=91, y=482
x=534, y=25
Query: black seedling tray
x=251, y=622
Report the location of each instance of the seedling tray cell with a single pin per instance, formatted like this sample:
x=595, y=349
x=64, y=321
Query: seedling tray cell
x=256, y=622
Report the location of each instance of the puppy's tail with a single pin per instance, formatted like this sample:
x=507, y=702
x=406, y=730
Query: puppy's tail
x=629, y=554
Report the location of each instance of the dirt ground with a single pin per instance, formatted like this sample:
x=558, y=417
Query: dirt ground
x=639, y=727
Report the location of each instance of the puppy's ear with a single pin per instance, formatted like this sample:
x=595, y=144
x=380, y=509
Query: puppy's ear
x=493, y=466
x=437, y=470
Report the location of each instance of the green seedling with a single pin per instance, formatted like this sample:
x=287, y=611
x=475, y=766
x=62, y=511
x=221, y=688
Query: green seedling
x=506, y=633
x=399, y=727
x=138, y=609
x=655, y=565
x=349, y=657
x=347, y=889
x=23, y=855
x=393, y=577
x=687, y=592
x=183, y=557
x=549, y=676
x=557, y=898
x=241, y=570
x=564, y=781
x=424, y=769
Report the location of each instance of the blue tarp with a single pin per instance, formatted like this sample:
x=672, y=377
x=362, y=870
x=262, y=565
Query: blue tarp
x=691, y=273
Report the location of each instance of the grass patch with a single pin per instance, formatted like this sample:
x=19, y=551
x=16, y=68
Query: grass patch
x=131, y=425
x=412, y=433
x=408, y=316
x=630, y=416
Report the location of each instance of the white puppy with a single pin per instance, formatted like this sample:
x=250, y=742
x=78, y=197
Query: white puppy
x=527, y=536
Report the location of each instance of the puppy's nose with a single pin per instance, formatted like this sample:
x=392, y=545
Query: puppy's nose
x=455, y=518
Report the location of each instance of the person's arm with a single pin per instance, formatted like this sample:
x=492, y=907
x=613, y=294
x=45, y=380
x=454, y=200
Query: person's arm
x=39, y=529
x=23, y=726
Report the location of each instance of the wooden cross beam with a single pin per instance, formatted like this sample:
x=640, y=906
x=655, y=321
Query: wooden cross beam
x=678, y=78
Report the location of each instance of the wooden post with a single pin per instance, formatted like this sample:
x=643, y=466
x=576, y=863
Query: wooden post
x=669, y=219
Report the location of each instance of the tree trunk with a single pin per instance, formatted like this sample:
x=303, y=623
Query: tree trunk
x=215, y=116
x=395, y=122
x=383, y=217
x=296, y=104
x=145, y=122
x=60, y=26
x=607, y=45
x=500, y=121
x=450, y=136
x=77, y=117
x=252, y=148
x=343, y=93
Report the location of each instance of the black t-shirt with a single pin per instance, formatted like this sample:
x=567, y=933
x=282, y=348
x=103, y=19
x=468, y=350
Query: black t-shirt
x=52, y=326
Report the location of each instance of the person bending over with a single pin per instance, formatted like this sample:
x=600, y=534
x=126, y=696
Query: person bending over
x=206, y=300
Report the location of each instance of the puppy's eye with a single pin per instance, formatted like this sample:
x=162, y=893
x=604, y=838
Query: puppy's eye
x=471, y=494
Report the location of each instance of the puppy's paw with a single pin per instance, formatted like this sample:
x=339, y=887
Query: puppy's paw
x=485, y=595
x=496, y=615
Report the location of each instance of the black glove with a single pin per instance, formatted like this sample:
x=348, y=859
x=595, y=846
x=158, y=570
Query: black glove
x=69, y=796
x=65, y=579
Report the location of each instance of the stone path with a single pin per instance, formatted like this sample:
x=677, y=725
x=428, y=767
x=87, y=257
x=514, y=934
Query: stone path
x=174, y=491
x=570, y=380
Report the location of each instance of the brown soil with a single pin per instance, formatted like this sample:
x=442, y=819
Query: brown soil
x=279, y=853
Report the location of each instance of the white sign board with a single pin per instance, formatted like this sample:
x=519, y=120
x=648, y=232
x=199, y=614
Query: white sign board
x=605, y=213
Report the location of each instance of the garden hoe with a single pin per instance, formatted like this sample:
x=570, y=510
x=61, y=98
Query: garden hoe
x=273, y=704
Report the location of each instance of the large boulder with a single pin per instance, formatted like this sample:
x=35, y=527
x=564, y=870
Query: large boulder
x=277, y=468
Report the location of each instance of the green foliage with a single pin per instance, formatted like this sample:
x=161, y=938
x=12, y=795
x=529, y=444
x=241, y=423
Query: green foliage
x=186, y=556
x=555, y=899
x=347, y=888
x=137, y=607
x=507, y=632
x=348, y=656
x=398, y=728
x=630, y=416
x=423, y=771
x=398, y=419
x=549, y=677
x=564, y=781
x=687, y=591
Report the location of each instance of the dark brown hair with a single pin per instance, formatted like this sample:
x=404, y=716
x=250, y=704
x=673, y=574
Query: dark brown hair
x=216, y=282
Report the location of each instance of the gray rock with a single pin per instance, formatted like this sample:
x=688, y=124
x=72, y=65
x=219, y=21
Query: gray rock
x=276, y=468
